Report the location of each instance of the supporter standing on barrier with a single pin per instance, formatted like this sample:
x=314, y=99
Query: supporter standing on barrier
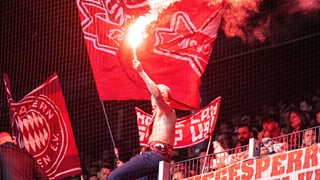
x=161, y=133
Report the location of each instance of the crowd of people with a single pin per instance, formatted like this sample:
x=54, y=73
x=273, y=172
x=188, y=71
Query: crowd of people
x=277, y=129
x=277, y=121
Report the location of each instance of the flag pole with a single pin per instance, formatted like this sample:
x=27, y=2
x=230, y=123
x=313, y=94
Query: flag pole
x=115, y=149
x=208, y=147
x=206, y=158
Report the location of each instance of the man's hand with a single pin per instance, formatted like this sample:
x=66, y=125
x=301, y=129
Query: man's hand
x=119, y=163
x=137, y=66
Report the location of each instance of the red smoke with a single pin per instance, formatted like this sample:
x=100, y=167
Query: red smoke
x=236, y=21
x=303, y=6
x=243, y=18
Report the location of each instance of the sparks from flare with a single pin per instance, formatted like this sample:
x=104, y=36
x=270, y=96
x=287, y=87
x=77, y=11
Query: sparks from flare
x=137, y=29
x=137, y=33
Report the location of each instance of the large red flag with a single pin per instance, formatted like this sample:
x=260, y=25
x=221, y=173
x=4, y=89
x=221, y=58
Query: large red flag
x=190, y=130
x=40, y=123
x=175, y=52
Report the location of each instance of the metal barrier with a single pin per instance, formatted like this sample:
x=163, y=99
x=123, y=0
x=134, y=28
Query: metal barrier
x=221, y=158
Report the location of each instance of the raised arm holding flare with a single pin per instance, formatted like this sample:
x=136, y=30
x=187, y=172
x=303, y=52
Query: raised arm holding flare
x=161, y=133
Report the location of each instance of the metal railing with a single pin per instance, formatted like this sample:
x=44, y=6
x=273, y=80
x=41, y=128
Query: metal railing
x=222, y=158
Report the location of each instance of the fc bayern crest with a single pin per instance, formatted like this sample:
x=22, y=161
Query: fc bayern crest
x=42, y=131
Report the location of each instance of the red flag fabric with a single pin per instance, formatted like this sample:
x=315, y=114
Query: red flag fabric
x=175, y=52
x=40, y=123
x=190, y=130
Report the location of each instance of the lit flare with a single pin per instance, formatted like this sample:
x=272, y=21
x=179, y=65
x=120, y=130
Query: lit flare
x=137, y=29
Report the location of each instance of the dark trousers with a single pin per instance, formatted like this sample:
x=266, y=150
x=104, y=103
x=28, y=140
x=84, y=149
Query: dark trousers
x=139, y=166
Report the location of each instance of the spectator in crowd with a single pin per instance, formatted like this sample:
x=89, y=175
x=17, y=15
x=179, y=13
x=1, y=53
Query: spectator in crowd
x=284, y=110
x=225, y=136
x=104, y=171
x=270, y=128
x=161, y=133
x=268, y=135
x=297, y=122
x=193, y=169
x=205, y=161
x=246, y=119
x=178, y=175
x=309, y=137
x=317, y=118
x=179, y=167
x=176, y=166
x=93, y=170
x=16, y=163
x=306, y=106
x=244, y=134
x=225, y=140
x=236, y=120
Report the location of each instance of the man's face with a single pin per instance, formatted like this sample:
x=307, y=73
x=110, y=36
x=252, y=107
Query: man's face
x=165, y=96
x=153, y=101
x=104, y=173
x=309, y=137
x=269, y=126
x=244, y=135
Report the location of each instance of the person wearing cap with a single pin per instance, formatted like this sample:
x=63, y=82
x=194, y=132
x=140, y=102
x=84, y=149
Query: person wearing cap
x=268, y=135
x=270, y=128
x=16, y=163
x=160, y=131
